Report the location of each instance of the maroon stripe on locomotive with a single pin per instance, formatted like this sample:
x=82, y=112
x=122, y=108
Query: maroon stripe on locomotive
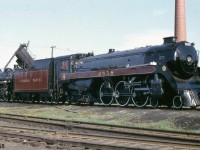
x=110, y=72
x=31, y=81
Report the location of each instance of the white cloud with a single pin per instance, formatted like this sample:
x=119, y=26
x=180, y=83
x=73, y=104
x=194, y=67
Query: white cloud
x=159, y=12
x=151, y=37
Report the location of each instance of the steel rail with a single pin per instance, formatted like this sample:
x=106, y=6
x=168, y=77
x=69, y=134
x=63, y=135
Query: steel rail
x=174, y=138
x=79, y=123
x=91, y=139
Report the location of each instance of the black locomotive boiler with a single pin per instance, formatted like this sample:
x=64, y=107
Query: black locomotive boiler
x=156, y=75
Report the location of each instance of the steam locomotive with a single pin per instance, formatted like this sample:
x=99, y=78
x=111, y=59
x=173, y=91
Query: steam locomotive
x=165, y=74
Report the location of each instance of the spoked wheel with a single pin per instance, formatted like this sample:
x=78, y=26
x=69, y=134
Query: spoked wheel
x=57, y=100
x=23, y=99
x=10, y=98
x=30, y=99
x=17, y=99
x=4, y=98
x=51, y=100
x=20, y=99
x=123, y=94
x=43, y=99
x=68, y=100
x=140, y=99
x=154, y=102
x=63, y=100
x=178, y=102
x=35, y=98
x=106, y=93
x=27, y=99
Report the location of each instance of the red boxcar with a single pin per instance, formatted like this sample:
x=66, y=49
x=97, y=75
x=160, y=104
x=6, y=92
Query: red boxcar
x=31, y=81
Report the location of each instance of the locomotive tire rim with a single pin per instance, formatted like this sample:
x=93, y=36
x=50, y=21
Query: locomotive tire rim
x=142, y=105
x=118, y=95
x=101, y=96
x=154, y=102
x=178, y=102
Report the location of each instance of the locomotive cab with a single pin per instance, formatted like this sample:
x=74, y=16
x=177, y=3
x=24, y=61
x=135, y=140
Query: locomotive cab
x=65, y=65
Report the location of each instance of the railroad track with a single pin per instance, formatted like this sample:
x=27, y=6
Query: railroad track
x=93, y=136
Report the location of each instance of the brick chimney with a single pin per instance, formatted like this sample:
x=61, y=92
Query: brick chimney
x=180, y=20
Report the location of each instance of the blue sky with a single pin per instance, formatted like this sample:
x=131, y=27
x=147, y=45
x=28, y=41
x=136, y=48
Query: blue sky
x=89, y=25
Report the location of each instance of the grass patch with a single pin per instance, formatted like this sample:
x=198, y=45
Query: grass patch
x=112, y=116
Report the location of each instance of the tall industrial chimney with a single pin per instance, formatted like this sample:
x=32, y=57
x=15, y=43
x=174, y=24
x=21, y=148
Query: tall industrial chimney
x=180, y=20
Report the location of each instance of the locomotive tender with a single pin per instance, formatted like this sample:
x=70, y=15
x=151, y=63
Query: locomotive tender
x=166, y=74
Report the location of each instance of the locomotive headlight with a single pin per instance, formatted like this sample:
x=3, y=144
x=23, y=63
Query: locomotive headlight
x=189, y=60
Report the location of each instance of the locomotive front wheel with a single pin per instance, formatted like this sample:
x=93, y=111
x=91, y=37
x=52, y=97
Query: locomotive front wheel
x=140, y=99
x=123, y=94
x=106, y=93
x=178, y=102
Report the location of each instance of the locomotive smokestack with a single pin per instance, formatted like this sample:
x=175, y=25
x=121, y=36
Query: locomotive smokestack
x=180, y=20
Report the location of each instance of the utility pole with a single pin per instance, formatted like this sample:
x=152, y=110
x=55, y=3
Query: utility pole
x=52, y=47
